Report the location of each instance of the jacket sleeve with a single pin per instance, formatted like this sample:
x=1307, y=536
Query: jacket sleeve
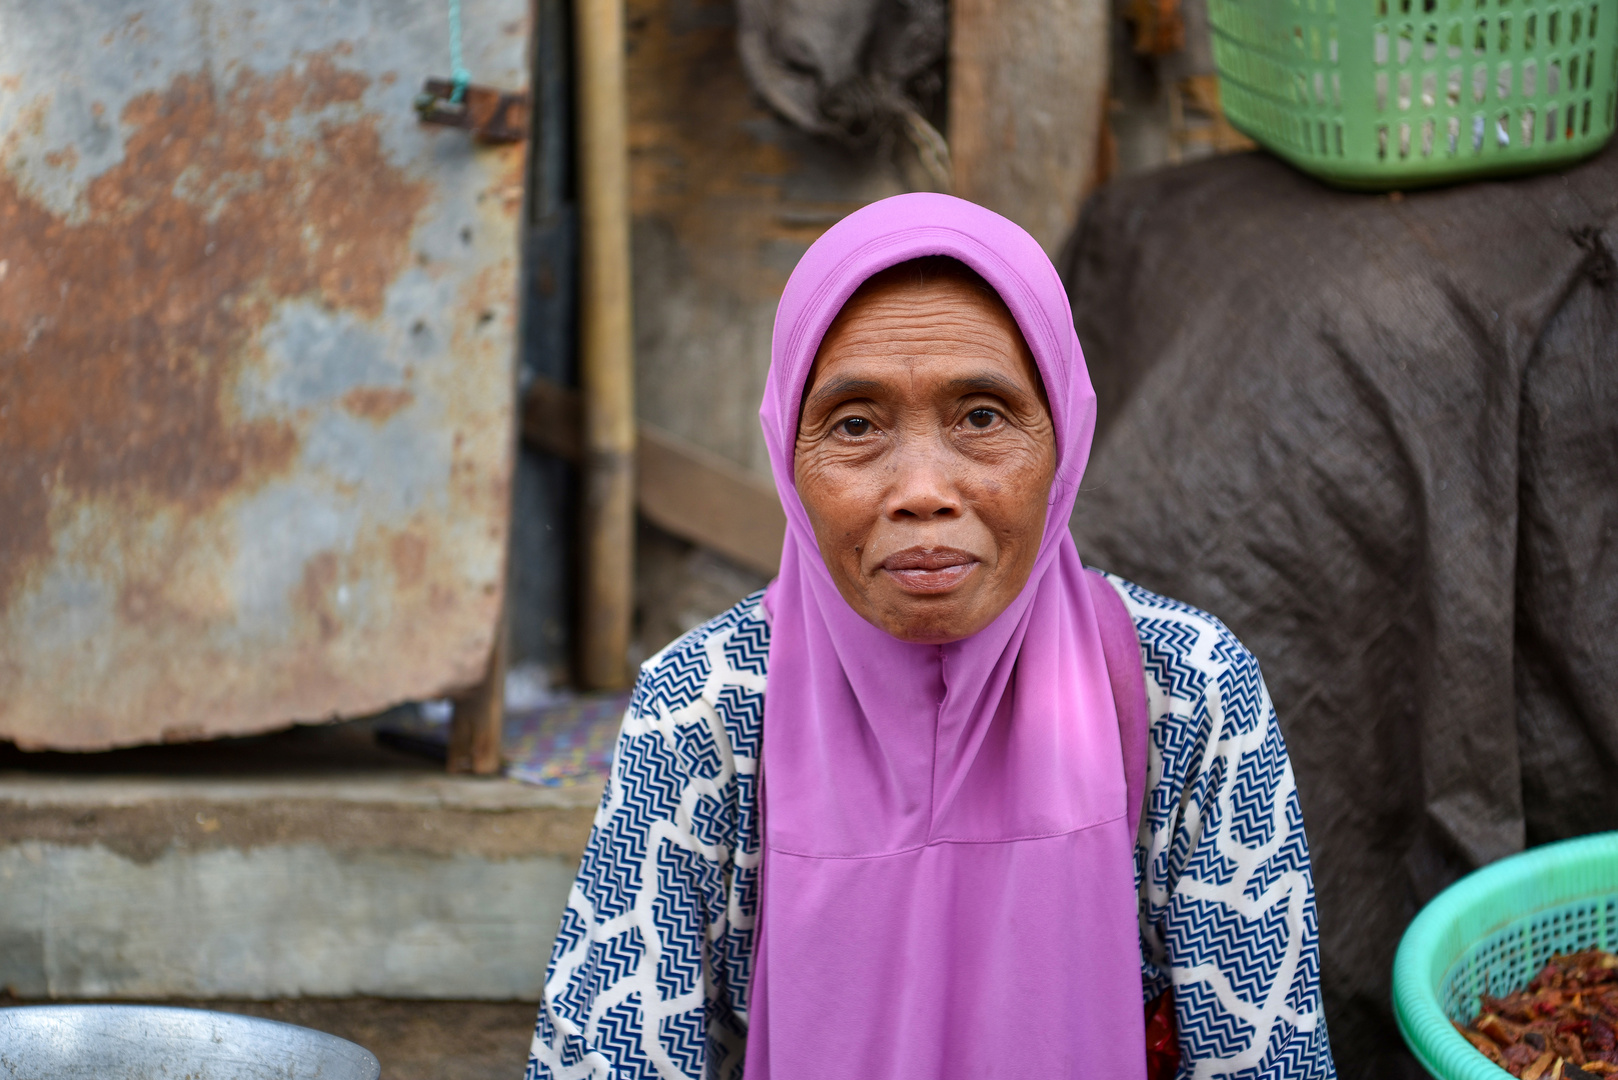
x=1227, y=899
x=624, y=993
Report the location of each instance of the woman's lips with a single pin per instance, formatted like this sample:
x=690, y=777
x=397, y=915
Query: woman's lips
x=929, y=570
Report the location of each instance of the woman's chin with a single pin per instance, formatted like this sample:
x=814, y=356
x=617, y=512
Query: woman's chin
x=932, y=618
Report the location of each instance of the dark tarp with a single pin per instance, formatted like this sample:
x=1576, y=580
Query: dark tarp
x=1378, y=437
x=848, y=68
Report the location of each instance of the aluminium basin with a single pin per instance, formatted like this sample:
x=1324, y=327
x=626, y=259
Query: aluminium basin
x=155, y=1042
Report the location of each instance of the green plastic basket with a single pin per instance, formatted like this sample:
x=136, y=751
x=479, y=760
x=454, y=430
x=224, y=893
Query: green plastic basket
x=1490, y=933
x=1380, y=94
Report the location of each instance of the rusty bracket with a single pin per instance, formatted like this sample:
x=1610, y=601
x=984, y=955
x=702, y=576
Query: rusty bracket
x=492, y=116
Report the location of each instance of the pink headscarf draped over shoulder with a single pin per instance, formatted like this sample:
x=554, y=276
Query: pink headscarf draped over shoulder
x=948, y=889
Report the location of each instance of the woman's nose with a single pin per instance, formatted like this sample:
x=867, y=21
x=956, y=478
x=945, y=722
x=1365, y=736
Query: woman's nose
x=923, y=487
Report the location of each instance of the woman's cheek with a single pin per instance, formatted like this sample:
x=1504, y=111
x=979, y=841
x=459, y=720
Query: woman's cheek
x=836, y=498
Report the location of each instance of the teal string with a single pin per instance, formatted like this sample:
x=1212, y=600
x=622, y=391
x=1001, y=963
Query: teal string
x=457, y=69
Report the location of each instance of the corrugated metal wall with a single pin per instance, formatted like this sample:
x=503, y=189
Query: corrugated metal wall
x=257, y=330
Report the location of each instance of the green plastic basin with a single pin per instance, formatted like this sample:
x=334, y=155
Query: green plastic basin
x=1490, y=933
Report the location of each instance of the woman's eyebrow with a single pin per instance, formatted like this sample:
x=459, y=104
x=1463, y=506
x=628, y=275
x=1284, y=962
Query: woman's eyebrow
x=843, y=388
x=986, y=384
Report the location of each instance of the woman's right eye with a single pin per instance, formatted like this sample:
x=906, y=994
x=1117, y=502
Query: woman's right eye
x=855, y=426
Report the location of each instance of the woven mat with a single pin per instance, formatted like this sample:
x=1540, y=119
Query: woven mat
x=564, y=743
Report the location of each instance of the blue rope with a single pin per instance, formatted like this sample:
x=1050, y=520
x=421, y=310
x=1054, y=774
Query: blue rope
x=457, y=69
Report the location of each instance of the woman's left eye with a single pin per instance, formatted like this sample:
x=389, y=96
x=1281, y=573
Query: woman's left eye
x=982, y=418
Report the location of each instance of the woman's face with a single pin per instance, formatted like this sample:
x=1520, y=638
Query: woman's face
x=924, y=456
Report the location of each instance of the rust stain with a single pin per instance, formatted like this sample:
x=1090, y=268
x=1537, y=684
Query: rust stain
x=131, y=27
x=139, y=601
x=316, y=594
x=125, y=327
x=65, y=158
x=407, y=552
x=30, y=121
x=182, y=733
x=376, y=403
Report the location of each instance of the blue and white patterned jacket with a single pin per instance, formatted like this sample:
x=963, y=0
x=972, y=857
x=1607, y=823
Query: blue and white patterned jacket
x=649, y=974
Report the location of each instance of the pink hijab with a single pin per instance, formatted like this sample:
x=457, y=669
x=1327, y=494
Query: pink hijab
x=947, y=889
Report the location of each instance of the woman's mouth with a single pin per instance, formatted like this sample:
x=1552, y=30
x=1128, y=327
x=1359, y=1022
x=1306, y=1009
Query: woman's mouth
x=929, y=570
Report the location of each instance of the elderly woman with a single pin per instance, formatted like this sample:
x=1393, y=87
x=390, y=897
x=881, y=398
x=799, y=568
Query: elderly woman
x=939, y=803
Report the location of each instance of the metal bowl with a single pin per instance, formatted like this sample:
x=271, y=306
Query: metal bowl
x=149, y=1042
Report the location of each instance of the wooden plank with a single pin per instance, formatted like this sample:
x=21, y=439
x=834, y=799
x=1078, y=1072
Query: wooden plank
x=480, y=715
x=682, y=488
x=1028, y=84
x=700, y=496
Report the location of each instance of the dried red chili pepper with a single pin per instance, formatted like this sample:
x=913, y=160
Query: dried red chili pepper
x=1563, y=1024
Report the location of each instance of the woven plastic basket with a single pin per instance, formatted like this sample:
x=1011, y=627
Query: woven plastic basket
x=1491, y=932
x=1380, y=94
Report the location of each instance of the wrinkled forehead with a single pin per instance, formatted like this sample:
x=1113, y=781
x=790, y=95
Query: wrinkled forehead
x=927, y=299
x=841, y=301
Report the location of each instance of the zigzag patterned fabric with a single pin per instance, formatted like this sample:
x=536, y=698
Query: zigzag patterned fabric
x=649, y=974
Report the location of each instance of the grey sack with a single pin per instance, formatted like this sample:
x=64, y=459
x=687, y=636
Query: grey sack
x=1378, y=437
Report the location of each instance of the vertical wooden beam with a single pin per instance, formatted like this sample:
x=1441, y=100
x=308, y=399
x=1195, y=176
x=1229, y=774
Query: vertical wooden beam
x=606, y=346
x=1027, y=90
x=480, y=714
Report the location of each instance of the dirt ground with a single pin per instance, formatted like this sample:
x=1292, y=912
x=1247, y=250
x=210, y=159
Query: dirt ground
x=414, y=1040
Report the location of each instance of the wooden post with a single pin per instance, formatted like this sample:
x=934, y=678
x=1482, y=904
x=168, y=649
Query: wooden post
x=480, y=714
x=1027, y=90
x=606, y=347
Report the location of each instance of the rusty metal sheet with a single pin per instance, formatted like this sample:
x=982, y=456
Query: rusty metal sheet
x=257, y=327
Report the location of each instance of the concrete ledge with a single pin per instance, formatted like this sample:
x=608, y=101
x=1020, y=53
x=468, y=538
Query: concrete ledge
x=391, y=885
x=416, y=789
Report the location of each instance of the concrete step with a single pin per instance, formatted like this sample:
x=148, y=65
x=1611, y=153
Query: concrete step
x=269, y=874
